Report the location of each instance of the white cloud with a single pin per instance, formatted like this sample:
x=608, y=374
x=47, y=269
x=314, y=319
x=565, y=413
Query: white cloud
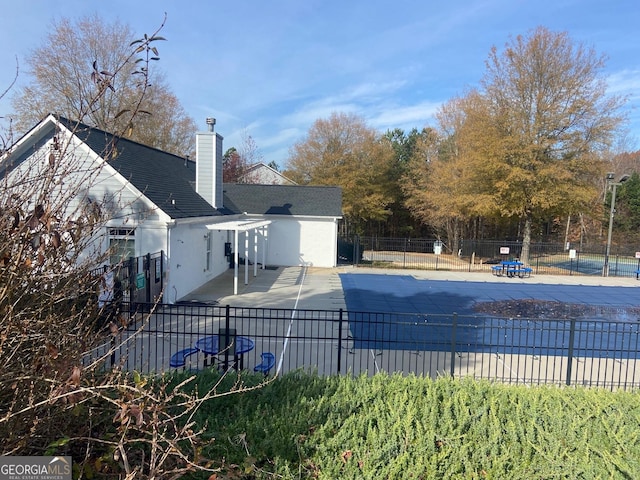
x=404, y=117
x=286, y=136
x=306, y=114
x=625, y=81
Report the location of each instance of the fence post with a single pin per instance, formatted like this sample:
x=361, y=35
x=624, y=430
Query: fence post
x=113, y=351
x=453, y=344
x=472, y=254
x=340, y=342
x=131, y=273
x=147, y=276
x=161, y=294
x=404, y=255
x=572, y=336
x=227, y=326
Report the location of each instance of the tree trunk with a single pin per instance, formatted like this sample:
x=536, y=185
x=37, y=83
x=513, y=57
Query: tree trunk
x=526, y=241
x=456, y=237
x=453, y=235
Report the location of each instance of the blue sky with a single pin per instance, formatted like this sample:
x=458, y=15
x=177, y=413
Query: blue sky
x=269, y=69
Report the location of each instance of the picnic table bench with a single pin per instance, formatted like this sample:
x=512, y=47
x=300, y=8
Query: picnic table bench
x=522, y=272
x=179, y=359
x=511, y=268
x=268, y=362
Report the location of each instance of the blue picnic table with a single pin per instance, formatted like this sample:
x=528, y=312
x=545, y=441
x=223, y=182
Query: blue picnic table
x=511, y=268
x=210, y=345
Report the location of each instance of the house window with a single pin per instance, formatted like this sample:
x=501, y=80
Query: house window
x=207, y=265
x=121, y=245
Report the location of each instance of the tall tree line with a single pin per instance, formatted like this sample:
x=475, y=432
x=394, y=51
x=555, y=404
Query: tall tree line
x=514, y=157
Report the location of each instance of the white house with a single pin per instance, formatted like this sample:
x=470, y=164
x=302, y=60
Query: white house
x=265, y=175
x=160, y=202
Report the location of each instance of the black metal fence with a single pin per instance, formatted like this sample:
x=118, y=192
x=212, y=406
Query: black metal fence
x=480, y=255
x=598, y=353
x=141, y=279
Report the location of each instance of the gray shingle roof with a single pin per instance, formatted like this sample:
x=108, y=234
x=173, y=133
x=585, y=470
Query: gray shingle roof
x=165, y=178
x=283, y=200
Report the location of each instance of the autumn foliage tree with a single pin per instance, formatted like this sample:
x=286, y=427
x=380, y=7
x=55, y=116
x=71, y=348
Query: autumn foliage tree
x=440, y=204
x=527, y=143
x=343, y=151
x=237, y=163
x=59, y=84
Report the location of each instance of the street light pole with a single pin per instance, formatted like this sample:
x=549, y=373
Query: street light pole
x=614, y=185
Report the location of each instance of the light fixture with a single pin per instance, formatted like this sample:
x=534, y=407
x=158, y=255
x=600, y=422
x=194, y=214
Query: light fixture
x=612, y=211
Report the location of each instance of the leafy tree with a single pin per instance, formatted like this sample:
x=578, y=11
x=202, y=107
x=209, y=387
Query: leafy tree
x=627, y=207
x=273, y=164
x=233, y=166
x=529, y=139
x=405, y=146
x=625, y=163
x=430, y=188
x=236, y=164
x=168, y=127
x=6, y=123
x=435, y=184
x=343, y=151
x=62, y=83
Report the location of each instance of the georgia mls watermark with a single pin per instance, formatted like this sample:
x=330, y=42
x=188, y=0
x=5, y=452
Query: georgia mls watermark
x=35, y=468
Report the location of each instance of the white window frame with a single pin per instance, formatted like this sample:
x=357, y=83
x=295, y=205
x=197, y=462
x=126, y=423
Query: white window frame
x=122, y=244
x=207, y=264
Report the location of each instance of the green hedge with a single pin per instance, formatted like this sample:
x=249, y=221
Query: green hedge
x=304, y=426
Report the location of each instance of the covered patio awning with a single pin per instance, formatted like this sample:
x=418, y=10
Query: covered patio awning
x=246, y=226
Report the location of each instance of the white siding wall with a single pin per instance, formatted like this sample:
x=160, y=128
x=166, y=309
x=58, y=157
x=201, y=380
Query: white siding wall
x=265, y=175
x=187, y=259
x=291, y=241
x=209, y=167
x=151, y=237
x=297, y=242
x=85, y=180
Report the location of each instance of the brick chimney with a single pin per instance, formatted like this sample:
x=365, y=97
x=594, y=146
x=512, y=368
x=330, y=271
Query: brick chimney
x=209, y=165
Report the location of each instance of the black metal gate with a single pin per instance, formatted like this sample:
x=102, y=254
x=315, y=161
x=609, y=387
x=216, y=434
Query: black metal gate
x=142, y=278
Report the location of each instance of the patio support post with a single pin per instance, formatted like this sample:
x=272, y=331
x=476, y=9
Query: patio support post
x=246, y=258
x=255, y=252
x=265, y=234
x=235, y=262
